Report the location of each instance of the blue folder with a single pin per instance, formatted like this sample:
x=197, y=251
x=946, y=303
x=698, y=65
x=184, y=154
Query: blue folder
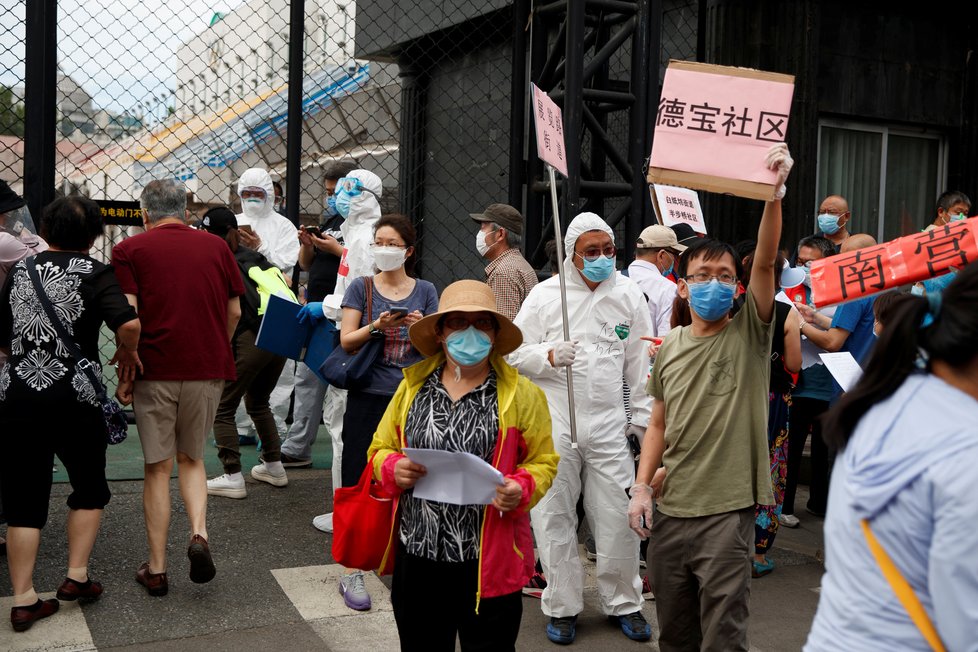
x=281, y=333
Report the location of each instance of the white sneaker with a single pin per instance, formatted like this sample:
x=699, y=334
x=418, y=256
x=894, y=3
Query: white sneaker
x=225, y=485
x=788, y=520
x=262, y=473
x=323, y=522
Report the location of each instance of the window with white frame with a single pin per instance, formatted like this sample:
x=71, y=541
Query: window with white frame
x=891, y=176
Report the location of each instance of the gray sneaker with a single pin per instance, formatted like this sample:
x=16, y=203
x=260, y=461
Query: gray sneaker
x=355, y=591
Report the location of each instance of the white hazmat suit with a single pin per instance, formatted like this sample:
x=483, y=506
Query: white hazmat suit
x=357, y=260
x=608, y=323
x=279, y=241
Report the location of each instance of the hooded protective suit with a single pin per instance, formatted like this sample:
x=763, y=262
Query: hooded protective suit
x=608, y=323
x=279, y=241
x=909, y=469
x=358, y=234
x=357, y=260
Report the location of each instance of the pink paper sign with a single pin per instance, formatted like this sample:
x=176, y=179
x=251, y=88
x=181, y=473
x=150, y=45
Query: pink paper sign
x=680, y=206
x=720, y=125
x=550, y=130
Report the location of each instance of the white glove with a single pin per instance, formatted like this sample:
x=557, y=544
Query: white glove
x=638, y=431
x=639, y=507
x=564, y=353
x=779, y=158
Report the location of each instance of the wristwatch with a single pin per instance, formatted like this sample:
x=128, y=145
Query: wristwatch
x=374, y=330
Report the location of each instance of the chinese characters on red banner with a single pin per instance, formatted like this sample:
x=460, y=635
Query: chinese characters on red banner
x=905, y=260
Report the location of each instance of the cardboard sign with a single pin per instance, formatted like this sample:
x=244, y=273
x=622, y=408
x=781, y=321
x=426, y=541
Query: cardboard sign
x=909, y=259
x=714, y=126
x=679, y=206
x=549, y=123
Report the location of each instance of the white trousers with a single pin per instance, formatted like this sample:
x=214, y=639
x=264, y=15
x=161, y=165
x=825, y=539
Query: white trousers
x=603, y=465
x=333, y=410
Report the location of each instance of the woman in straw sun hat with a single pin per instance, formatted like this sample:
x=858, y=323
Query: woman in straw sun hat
x=470, y=560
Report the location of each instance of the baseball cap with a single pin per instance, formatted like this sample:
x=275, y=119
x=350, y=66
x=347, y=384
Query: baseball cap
x=659, y=237
x=684, y=234
x=502, y=214
x=219, y=221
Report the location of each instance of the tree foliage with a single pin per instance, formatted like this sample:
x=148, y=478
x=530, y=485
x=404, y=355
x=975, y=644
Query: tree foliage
x=11, y=114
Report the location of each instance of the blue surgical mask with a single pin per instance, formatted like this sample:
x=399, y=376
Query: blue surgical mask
x=330, y=209
x=711, y=301
x=668, y=270
x=599, y=269
x=828, y=223
x=468, y=347
x=958, y=217
x=808, y=274
x=343, y=203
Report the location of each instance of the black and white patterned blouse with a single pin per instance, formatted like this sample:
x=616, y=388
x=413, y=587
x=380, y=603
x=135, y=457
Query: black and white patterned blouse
x=84, y=293
x=439, y=531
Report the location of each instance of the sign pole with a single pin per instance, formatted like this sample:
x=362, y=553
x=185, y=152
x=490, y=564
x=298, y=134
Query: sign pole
x=559, y=242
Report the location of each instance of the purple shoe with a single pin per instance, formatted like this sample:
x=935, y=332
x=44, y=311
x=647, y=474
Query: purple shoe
x=355, y=591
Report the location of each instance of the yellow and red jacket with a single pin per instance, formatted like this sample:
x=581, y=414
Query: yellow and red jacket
x=524, y=452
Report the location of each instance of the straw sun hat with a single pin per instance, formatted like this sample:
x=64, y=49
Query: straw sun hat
x=464, y=296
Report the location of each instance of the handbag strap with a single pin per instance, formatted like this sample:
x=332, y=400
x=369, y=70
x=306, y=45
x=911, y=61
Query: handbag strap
x=903, y=590
x=82, y=362
x=368, y=282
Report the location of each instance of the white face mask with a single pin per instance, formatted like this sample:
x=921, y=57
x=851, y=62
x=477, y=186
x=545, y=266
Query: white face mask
x=387, y=259
x=253, y=207
x=480, y=242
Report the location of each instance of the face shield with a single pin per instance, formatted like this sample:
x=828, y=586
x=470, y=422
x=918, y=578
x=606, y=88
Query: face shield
x=18, y=222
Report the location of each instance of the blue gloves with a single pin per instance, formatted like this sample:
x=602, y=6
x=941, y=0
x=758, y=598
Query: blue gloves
x=311, y=312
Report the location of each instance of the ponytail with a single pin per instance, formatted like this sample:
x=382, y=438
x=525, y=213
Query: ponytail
x=893, y=359
x=951, y=336
x=680, y=313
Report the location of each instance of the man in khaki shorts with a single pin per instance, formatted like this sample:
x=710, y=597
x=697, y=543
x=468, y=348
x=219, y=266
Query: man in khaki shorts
x=185, y=286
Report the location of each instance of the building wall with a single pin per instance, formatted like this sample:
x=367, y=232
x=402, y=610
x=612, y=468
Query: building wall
x=859, y=61
x=245, y=53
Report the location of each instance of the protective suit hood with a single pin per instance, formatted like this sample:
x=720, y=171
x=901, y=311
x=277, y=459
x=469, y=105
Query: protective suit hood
x=365, y=207
x=887, y=452
x=579, y=226
x=258, y=178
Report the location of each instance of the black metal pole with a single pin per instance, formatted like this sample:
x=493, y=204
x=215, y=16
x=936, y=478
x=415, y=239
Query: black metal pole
x=645, y=63
x=411, y=177
x=573, y=110
x=293, y=152
x=40, y=98
x=517, y=104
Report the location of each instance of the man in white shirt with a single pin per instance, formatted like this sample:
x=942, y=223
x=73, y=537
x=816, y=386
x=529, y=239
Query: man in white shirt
x=656, y=253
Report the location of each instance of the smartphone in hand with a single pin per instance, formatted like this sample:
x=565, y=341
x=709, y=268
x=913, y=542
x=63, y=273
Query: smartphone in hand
x=399, y=311
x=313, y=230
x=247, y=229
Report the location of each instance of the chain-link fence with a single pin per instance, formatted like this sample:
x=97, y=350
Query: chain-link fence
x=12, y=108
x=418, y=91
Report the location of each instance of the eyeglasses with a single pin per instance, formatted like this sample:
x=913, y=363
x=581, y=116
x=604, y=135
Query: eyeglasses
x=461, y=323
x=703, y=277
x=593, y=253
x=351, y=186
x=388, y=244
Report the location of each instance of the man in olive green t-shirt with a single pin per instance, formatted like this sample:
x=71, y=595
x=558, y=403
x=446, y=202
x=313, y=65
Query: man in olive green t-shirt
x=708, y=429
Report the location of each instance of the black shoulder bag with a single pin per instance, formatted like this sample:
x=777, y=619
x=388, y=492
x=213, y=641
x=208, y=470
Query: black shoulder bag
x=354, y=370
x=116, y=427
